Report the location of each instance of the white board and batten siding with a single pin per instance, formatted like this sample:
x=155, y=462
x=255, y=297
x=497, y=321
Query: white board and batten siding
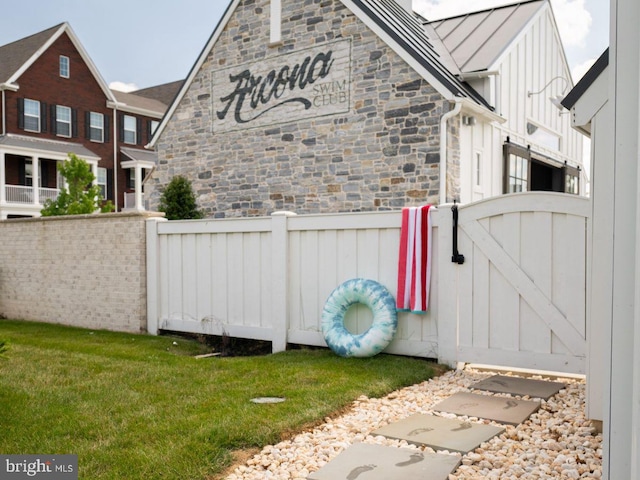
x=533, y=60
x=268, y=278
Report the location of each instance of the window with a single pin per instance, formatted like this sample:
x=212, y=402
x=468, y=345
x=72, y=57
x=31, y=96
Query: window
x=102, y=181
x=31, y=115
x=526, y=170
x=63, y=121
x=130, y=129
x=131, y=183
x=64, y=66
x=154, y=126
x=518, y=174
x=28, y=173
x=96, y=127
x=572, y=180
x=478, y=170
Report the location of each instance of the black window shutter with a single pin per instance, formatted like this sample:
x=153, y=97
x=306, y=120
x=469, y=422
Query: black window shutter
x=121, y=127
x=21, y=113
x=43, y=117
x=44, y=174
x=22, y=174
x=107, y=129
x=139, y=131
x=87, y=125
x=54, y=126
x=74, y=123
x=110, y=184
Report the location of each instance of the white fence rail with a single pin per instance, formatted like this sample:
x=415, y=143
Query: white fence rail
x=518, y=300
x=268, y=278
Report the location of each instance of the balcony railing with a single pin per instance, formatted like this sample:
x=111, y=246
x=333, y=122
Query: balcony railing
x=23, y=194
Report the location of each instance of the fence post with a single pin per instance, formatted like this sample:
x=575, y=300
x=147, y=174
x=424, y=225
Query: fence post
x=447, y=290
x=280, y=279
x=153, y=273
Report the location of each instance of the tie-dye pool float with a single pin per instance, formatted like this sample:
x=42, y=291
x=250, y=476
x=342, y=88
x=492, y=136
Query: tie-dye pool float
x=378, y=335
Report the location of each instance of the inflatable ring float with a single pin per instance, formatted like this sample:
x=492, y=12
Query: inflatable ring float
x=381, y=331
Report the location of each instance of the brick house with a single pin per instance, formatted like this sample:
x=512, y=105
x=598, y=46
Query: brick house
x=54, y=102
x=362, y=105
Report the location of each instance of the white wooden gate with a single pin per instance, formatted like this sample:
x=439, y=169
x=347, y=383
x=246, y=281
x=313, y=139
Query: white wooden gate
x=520, y=296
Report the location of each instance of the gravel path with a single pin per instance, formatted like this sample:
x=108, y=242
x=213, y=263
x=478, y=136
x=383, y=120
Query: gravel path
x=557, y=442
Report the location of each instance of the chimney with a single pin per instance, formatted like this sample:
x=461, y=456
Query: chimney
x=406, y=4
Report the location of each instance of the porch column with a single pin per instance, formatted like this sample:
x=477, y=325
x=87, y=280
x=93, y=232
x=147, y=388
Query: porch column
x=138, y=188
x=3, y=179
x=35, y=165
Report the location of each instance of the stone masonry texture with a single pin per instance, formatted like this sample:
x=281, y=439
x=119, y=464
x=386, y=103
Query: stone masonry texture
x=382, y=154
x=85, y=271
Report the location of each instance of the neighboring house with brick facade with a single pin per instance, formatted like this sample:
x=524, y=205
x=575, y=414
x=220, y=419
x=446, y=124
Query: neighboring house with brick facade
x=53, y=102
x=362, y=105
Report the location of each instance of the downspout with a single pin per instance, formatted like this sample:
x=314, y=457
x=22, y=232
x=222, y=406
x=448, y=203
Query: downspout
x=4, y=114
x=443, y=149
x=115, y=157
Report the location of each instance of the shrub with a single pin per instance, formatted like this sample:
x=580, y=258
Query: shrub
x=82, y=196
x=178, y=201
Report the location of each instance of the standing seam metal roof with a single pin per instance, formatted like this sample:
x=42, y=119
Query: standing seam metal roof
x=476, y=40
x=410, y=34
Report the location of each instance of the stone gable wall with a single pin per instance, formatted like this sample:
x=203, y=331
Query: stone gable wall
x=85, y=271
x=382, y=154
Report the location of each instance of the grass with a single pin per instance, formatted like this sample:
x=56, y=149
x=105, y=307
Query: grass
x=141, y=407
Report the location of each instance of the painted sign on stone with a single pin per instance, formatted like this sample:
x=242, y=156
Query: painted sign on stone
x=304, y=84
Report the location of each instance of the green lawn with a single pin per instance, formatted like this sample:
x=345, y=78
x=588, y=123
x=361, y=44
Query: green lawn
x=139, y=407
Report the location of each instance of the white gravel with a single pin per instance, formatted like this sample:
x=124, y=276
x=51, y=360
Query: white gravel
x=557, y=442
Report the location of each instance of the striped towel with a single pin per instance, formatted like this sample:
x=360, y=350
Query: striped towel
x=414, y=263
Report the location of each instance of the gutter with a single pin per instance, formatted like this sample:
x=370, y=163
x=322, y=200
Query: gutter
x=4, y=114
x=115, y=155
x=443, y=149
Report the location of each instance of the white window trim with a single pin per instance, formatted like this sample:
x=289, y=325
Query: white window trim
x=59, y=121
x=92, y=127
x=101, y=180
x=134, y=131
x=25, y=114
x=68, y=66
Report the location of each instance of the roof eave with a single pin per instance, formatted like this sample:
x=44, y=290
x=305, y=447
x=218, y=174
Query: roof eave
x=123, y=107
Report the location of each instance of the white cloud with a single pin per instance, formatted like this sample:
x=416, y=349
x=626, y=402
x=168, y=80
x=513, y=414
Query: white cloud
x=579, y=70
x=574, y=21
x=572, y=17
x=123, y=87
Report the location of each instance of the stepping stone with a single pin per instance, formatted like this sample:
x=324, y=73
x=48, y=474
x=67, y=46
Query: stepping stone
x=362, y=461
x=499, y=409
x=520, y=386
x=440, y=433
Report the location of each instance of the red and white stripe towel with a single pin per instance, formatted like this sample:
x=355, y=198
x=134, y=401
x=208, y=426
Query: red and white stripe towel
x=414, y=263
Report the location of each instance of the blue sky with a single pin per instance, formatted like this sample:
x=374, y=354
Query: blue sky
x=149, y=42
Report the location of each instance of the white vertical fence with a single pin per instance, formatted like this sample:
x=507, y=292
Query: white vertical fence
x=518, y=300
x=268, y=278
